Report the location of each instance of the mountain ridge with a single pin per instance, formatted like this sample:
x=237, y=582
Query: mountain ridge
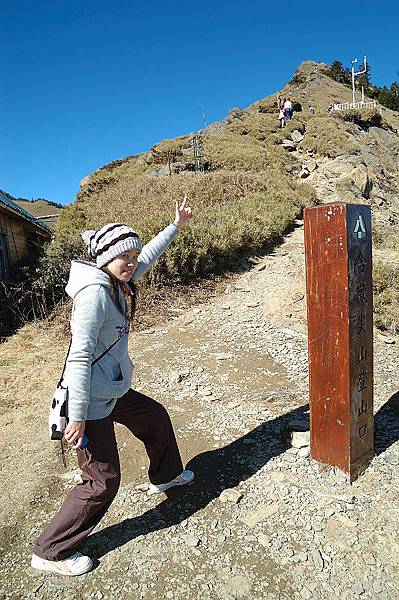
x=257, y=179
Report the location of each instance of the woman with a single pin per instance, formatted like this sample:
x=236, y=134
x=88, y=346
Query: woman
x=100, y=395
x=281, y=116
x=288, y=108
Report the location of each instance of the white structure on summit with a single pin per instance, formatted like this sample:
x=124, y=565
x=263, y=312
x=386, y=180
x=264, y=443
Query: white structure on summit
x=349, y=105
x=356, y=74
x=354, y=104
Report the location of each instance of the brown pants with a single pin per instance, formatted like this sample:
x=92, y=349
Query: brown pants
x=88, y=502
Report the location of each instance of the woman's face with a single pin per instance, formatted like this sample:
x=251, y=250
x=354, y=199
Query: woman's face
x=124, y=265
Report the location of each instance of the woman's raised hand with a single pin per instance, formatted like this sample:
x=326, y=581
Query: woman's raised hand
x=183, y=213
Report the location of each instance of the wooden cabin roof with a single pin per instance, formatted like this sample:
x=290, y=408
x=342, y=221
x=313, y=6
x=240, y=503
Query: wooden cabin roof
x=6, y=202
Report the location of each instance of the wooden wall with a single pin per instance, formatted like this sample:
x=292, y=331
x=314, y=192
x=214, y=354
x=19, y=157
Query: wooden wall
x=17, y=232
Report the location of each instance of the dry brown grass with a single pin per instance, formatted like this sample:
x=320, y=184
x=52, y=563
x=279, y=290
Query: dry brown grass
x=329, y=137
x=386, y=296
x=30, y=363
x=235, y=212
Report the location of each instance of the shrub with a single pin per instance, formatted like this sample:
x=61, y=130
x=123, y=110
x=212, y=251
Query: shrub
x=235, y=212
x=37, y=288
x=169, y=150
x=364, y=118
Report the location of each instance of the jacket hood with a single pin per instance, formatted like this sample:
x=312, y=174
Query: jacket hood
x=83, y=274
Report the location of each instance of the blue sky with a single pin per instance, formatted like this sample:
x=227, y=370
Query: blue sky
x=84, y=82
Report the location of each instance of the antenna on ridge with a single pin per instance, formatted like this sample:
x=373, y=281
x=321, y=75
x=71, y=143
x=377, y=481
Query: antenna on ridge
x=356, y=74
x=198, y=153
x=203, y=116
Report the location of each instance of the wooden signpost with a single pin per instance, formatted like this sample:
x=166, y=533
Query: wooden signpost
x=340, y=335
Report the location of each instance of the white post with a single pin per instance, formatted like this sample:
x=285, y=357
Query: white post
x=353, y=81
x=355, y=74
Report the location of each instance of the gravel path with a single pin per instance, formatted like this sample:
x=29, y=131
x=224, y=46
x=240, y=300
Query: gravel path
x=262, y=520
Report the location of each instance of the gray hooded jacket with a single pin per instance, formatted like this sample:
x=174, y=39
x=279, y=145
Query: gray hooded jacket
x=96, y=323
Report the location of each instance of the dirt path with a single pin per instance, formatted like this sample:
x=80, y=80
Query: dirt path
x=233, y=375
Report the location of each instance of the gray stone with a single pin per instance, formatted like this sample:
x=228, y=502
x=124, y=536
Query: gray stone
x=260, y=515
x=239, y=585
x=296, y=136
x=317, y=559
x=230, y=495
x=57, y=583
x=175, y=377
x=301, y=556
x=192, y=540
x=311, y=165
x=288, y=145
x=382, y=135
x=300, y=439
x=358, y=590
x=162, y=170
x=304, y=452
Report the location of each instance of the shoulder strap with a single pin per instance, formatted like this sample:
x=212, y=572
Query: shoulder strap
x=65, y=362
x=94, y=361
x=105, y=351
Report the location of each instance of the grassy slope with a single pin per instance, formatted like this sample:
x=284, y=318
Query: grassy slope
x=243, y=202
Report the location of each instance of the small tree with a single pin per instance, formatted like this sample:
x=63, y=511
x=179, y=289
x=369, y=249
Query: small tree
x=338, y=73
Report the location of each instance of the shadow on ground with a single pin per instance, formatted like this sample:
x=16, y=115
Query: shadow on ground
x=214, y=470
x=227, y=467
x=386, y=425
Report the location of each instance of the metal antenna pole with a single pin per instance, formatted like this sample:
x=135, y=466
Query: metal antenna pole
x=353, y=80
x=356, y=74
x=198, y=155
x=203, y=116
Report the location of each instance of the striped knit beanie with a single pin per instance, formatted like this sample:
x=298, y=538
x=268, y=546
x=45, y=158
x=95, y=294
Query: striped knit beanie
x=110, y=241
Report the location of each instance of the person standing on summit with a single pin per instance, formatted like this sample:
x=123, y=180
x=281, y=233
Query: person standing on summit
x=99, y=394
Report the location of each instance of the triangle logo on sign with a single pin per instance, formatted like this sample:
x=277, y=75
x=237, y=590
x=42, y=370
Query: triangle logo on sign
x=360, y=231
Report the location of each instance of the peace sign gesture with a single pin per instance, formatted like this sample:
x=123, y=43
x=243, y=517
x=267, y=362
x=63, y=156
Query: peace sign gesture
x=183, y=213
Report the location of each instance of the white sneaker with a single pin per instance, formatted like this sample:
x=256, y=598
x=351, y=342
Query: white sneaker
x=182, y=479
x=77, y=564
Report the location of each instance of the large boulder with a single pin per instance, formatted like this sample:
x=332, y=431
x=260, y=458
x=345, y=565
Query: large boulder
x=311, y=165
x=162, y=170
x=288, y=145
x=84, y=181
x=362, y=180
x=296, y=136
